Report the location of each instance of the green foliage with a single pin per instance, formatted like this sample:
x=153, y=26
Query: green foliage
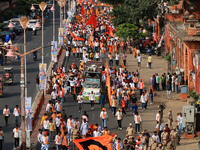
x=22, y=8
x=113, y=2
x=132, y=11
x=193, y=95
x=168, y=57
x=127, y=30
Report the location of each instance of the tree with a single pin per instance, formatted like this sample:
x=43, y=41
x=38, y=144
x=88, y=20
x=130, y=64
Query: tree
x=128, y=30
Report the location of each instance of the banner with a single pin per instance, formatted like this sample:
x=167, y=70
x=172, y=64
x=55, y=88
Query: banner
x=60, y=41
x=97, y=143
x=60, y=31
x=54, y=49
x=42, y=75
x=27, y=104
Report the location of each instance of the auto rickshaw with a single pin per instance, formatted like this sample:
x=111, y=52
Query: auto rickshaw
x=8, y=76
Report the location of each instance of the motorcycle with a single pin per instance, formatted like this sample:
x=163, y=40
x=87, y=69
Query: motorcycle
x=34, y=32
x=34, y=56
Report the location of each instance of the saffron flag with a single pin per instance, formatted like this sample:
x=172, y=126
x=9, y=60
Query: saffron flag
x=82, y=12
x=108, y=82
x=92, y=20
x=97, y=143
x=76, y=37
x=91, y=2
x=122, y=64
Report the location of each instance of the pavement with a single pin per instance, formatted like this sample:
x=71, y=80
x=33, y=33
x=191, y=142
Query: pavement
x=11, y=93
x=148, y=116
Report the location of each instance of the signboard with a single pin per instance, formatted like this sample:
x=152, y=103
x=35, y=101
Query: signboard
x=60, y=31
x=54, y=49
x=27, y=104
x=60, y=41
x=42, y=75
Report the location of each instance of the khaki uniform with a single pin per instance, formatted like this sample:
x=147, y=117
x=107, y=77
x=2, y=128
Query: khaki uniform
x=130, y=131
x=158, y=148
x=169, y=146
x=174, y=136
x=170, y=119
x=144, y=142
x=164, y=136
x=153, y=145
x=74, y=133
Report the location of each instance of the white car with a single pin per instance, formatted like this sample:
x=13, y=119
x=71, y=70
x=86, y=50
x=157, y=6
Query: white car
x=32, y=24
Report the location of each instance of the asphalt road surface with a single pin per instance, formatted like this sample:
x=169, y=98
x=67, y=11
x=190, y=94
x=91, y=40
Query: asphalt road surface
x=11, y=94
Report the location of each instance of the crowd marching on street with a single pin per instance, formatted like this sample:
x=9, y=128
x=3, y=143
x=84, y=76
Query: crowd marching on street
x=96, y=41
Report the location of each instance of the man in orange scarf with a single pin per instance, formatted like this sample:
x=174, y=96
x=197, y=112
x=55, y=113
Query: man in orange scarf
x=104, y=117
x=16, y=113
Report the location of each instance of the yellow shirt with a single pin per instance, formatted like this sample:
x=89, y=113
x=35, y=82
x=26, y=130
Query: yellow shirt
x=149, y=59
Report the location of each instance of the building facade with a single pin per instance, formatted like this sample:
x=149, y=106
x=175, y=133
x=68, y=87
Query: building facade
x=182, y=40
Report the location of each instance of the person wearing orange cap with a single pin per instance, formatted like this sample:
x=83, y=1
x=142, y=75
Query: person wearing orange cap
x=141, y=86
x=45, y=141
x=119, y=118
x=80, y=99
x=104, y=117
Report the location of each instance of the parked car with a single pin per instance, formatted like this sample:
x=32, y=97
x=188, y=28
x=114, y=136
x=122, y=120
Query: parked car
x=10, y=33
x=17, y=28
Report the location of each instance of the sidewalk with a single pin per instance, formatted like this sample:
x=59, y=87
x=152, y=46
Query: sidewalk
x=159, y=66
x=37, y=124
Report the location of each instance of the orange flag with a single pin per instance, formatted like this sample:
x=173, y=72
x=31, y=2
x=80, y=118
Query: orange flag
x=92, y=20
x=91, y=143
x=91, y=2
x=122, y=63
x=97, y=12
x=108, y=82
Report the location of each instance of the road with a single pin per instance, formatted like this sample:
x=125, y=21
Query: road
x=11, y=93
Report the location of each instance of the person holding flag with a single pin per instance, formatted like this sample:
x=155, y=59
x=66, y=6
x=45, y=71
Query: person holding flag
x=16, y=113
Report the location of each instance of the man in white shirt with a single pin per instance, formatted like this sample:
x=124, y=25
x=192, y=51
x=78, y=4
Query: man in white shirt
x=40, y=138
x=45, y=142
x=138, y=121
x=139, y=60
x=15, y=134
x=54, y=96
x=104, y=117
x=118, y=144
x=58, y=107
x=6, y=113
x=70, y=126
x=119, y=116
x=96, y=132
x=46, y=124
x=16, y=113
x=58, y=141
x=156, y=137
x=143, y=100
x=79, y=99
x=84, y=127
x=92, y=99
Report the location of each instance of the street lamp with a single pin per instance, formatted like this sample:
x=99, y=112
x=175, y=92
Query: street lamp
x=24, y=23
x=53, y=10
x=42, y=6
x=61, y=3
x=11, y=53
